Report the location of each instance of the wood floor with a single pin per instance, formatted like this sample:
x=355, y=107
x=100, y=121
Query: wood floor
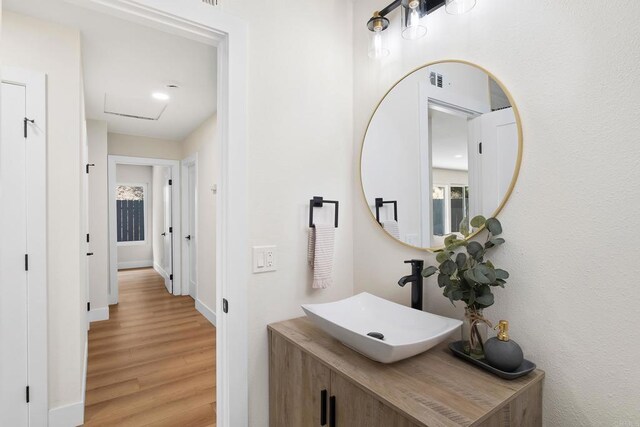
x=153, y=362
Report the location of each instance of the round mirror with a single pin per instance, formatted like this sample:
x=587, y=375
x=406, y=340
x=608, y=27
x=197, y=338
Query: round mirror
x=443, y=146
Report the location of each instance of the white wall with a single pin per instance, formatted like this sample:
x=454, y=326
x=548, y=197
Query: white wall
x=571, y=267
x=140, y=146
x=55, y=50
x=203, y=142
x=98, y=214
x=299, y=145
x=449, y=176
x=138, y=254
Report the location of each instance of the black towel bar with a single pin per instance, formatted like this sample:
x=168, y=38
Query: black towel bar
x=318, y=202
x=380, y=203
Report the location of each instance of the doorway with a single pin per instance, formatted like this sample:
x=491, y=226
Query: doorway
x=129, y=228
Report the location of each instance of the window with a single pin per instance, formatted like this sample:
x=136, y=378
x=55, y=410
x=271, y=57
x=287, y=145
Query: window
x=130, y=213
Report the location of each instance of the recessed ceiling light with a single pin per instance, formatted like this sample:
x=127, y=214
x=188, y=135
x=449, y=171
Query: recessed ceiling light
x=458, y=156
x=160, y=96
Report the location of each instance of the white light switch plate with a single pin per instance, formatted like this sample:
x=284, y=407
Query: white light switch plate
x=264, y=259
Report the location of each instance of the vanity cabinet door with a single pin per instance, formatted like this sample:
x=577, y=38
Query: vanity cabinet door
x=355, y=407
x=298, y=386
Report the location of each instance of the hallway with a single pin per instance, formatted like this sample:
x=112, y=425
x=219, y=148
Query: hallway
x=153, y=362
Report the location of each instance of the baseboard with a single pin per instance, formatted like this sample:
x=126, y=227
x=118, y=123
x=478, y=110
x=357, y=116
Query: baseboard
x=135, y=264
x=160, y=271
x=71, y=415
x=206, y=312
x=98, y=314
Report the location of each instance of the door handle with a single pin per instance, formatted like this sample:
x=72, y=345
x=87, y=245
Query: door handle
x=89, y=253
x=188, y=237
x=323, y=408
x=332, y=411
x=163, y=234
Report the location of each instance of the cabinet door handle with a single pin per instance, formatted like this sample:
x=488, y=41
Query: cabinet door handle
x=332, y=411
x=323, y=408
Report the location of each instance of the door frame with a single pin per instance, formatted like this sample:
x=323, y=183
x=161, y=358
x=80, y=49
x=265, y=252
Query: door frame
x=186, y=254
x=113, y=162
x=197, y=20
x=36, y=90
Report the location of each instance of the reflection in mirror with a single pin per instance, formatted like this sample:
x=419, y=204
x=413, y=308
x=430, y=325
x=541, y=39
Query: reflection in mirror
x=442, y=147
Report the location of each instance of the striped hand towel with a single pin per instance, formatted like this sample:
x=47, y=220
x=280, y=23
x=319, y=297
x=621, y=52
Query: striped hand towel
x=320, y=254
x=391, y=227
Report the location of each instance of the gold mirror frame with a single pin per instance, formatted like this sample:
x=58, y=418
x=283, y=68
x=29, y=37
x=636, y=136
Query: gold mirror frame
x=516, y=171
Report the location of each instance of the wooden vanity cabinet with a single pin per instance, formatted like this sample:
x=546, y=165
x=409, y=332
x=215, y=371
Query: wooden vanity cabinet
x=305, y=392
x=316, y=381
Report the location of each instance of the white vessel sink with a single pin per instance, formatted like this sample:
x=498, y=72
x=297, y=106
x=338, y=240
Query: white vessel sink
x=406, y=331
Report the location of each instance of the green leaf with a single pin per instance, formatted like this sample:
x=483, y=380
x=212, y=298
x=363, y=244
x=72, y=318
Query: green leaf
x=481, y=275
x=429, y=271
x=461, y=260
x=497, y=241
x=455, y=244
x=450, y=239
x=475, y=250
x=485, y=300
x=488, y=272
x=464, y=227
x=456, y=294
x=478, y=221
x=443, y=280
x=494, y=226
x=502, y=274
x=469, y=276
x=499, y=282
x=448, y=267
x=443, y=256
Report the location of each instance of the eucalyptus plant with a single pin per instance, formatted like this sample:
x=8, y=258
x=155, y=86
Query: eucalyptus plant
x=469, y=277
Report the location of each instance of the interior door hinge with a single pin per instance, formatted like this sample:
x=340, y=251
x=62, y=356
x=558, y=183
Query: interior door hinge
x=480, y=147
x=170, y=182
x=27, y=394
x=88, y=166
x=225, y=305
x=88, y=306
x=171, y=277
x=25, y=125
x=88, y=238
x=170, y=229
x=26, y=262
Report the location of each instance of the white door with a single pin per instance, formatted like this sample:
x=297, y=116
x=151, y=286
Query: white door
x=85, y=215
x=168, y=230
x=191, y=231
x=491, y=171
x=14, y=410
x=23, y=256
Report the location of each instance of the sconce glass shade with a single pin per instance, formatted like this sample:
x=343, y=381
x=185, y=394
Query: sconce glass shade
x=377, y=40
x=377, y=45
x=458, y=7
x=413, y=26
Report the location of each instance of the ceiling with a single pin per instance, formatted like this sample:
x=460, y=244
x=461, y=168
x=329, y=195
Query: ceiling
x=124, y=63
x=449, y=141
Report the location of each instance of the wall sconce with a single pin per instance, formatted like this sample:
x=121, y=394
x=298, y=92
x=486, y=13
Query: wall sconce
x=413, y=25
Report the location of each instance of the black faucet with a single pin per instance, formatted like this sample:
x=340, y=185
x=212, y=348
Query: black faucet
x=416, y=282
